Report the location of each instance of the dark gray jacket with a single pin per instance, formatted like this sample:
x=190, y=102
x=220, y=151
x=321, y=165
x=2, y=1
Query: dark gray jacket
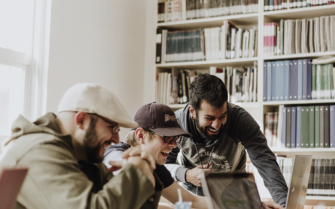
x=227, y=152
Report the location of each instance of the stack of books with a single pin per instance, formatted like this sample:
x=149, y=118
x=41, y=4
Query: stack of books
x=241, y=82
x=299, y=36
x=218, y=43
x=177, y=10
x=274, y=5
x=270, y=128
x=305, y=127
x=297, y=80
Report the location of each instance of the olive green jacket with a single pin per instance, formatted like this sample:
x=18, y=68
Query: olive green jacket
x=55, y=179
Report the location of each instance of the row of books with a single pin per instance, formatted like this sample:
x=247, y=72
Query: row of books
x=270, y=128
x=226, y=42
x=241, y=82
x=274, y=5
x=173, y=88
x=321, y=179
x=177, y=10
x=304, y=127
x=299, y=36
x=297, y=80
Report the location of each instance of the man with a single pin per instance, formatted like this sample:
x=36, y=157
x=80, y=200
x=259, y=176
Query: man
x=64, y=155
x=157, y=134
x=221, y=132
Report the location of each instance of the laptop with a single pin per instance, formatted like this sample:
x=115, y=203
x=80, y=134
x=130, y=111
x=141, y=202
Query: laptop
x=239, y=190
x=11, y=180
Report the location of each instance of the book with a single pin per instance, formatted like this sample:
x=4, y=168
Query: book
x=331, y=126
x=298, y=129
x=265, y=81
x=288, y=127
x=322, y=129
x=326, y=126
x=317, y=126
x=304, y=132
x=283, y=135
x=311, y=126
x=301, y=80
x=309, y=77
x=293, y=126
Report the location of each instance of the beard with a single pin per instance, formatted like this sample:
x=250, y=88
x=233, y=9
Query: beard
x=92, y=151
x=202, y=129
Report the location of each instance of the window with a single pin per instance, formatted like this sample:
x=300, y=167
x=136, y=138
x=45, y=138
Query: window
x=24, y=46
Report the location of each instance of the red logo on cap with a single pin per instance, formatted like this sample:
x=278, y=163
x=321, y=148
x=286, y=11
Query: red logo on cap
x=168, y=117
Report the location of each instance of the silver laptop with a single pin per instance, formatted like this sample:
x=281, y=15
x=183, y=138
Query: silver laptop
x=239, y=190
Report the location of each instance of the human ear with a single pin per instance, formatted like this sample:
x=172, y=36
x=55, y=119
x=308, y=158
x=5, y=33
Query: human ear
x=140, y=135
x=192, y=111
x=80, y=118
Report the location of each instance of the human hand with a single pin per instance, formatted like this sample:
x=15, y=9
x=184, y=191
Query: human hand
x=193, y=175
x=142, y=164
x=271, y=205
x=135, y=151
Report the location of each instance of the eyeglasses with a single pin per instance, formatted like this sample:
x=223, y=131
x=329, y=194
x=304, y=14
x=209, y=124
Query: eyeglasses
x=114, y=126
x=167, y=139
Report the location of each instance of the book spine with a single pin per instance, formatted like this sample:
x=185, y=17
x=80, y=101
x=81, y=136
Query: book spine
x=281, y=81
x=309, y=78
x=286, y=79
x=265, y=81
x=268, y=85
x=300, y=80
x=288, y=127
x=298, y=139
x=283, y=135
x=293, y=126
x=273, y=81
x=322, y=130
x=159, y=45
x=317, y=126
x=326, y=125
x=332, y=126
x=311, y=127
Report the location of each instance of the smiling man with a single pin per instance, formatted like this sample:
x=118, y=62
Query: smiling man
x=221, y=132
x=64, y=154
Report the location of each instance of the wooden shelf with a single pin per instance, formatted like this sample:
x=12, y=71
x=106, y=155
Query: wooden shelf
x=306, y=55
x=307, y=150
x=245, y=19
x=247, y=104
x=301, y=13
x=177, y=106
x=298, y=102
x=320, y=198
x=197, y=64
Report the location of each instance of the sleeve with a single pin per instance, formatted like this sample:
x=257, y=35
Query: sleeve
x=164, y=175
x=248, y=132
x=54, y=175
x=178, y=172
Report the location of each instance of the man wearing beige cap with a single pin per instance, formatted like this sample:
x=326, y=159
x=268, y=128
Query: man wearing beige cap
x=64, y=155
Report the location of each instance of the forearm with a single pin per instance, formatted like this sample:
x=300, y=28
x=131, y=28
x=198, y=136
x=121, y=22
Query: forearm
x=178, y=172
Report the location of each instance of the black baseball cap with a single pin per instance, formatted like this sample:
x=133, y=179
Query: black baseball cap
x=160, y=119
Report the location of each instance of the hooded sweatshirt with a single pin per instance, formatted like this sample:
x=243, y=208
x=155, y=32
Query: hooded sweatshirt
x=56, y=180
x=227, y=153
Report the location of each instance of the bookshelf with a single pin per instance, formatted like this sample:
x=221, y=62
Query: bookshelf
x=259, y=108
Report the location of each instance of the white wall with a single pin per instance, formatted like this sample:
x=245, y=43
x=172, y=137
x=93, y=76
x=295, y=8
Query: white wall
x=98, y=41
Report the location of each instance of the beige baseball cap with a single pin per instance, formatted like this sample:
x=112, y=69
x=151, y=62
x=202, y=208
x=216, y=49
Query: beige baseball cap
x=93, y=98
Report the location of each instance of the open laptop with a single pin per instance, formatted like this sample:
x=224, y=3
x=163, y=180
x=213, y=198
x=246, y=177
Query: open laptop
x=11, y=180
x=239, y=190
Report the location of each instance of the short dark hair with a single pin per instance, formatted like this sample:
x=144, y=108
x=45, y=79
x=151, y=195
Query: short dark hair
x=209, y=88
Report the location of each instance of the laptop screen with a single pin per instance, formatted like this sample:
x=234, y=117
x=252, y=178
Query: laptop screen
x=231, y=191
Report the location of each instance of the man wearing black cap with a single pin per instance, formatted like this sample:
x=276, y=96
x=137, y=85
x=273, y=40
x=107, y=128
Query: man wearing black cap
x=156, y=134
x=221, y=131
